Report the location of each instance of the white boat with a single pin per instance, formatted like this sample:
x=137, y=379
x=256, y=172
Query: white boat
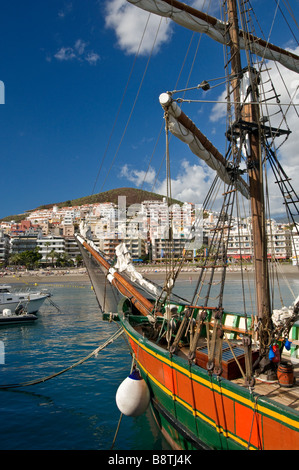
x=7, y=317
x=30, y=301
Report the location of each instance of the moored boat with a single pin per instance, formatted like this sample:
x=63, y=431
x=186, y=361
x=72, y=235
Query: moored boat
x=212, y=374
x=12, y=299
x=7, y=317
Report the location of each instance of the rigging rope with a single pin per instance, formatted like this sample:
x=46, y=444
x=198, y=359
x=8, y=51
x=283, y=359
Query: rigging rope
x=121, y=103
x=134, y=104
x=44, y=379
x=120, y=106
x=182, y=67
x=121, y=414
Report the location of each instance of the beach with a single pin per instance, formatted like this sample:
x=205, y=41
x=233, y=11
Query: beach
x=151, y=272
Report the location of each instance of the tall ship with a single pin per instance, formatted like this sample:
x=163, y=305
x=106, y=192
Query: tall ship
x=217, y=379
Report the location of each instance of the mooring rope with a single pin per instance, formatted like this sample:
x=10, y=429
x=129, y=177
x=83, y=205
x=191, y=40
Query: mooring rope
x=93, y=353
x=121, y=414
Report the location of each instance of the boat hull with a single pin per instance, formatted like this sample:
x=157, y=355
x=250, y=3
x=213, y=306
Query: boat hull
x=32, y=305
x=196, y=410
x=17, y=319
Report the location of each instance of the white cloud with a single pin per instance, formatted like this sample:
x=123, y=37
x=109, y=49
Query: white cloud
x=92, y=58
x=190, y=184
x=80, y=46
x=65, y=10
x=211, y=7
x=138, y=177
x=286, y=84
x=129, y=22
x=77, y=52
x=65, y=53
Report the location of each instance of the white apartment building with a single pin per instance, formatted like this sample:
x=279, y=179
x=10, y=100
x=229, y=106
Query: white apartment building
x=71, y=247
x=106, y=209
x=47, y=244
x=295, y=247
x=158, y=217
x=4, y=247
x=136, y=246
x=280, y=243
x=163, y=248
x=240, y=241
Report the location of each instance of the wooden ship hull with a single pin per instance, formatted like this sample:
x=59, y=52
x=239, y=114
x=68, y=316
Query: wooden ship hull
x=198, y=410
x=212, y=382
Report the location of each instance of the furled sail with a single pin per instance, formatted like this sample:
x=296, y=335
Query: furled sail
x=124, y=264
x=117, y=280
x=107, y=297
x=183, y=128
x=200, y=22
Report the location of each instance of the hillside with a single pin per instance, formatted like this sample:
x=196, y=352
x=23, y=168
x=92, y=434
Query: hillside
x=132, y=195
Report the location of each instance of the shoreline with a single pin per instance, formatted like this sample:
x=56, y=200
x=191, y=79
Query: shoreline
x=80, y=274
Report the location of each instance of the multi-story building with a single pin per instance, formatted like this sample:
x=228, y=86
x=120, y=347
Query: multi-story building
x=4, y=248
x=142, y=225
x=50, y=244
x=71, y=247
x=136, y=246
x=295, y=246
x=280, y=243
x=68, y=230
x=21, y=243
x=164, y=248
x=240, y=242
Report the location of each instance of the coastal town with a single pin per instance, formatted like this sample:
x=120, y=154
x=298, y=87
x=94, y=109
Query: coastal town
x=144, y=227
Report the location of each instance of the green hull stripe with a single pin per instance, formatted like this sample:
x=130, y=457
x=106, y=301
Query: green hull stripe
x=282, y=418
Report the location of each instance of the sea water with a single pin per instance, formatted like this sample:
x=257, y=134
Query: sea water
x=75, y=410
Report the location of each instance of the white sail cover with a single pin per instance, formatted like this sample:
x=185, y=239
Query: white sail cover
x=196, y=146
x=202, y=23
x=282, y=316
x=124, y=264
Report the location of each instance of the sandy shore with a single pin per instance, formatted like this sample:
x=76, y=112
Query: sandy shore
x=80, y=274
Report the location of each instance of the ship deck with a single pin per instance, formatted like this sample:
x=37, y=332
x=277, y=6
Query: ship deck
x=288, y=396
x=284, y=395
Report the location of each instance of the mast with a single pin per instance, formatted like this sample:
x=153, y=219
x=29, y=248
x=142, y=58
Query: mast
x=249, y=116
x=236, y=68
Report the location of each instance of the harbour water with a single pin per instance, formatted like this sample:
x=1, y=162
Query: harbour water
x=75, y=410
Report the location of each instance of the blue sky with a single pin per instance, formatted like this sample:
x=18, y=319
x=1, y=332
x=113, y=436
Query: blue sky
x=68, y=103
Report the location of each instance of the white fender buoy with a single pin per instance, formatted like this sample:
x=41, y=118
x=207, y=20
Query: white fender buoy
x=133, y=396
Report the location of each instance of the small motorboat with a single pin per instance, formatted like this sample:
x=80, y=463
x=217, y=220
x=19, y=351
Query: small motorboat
x=20, y=315
x=12, y=300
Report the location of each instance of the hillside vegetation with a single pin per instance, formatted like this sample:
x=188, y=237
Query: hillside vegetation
x=132, y=195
